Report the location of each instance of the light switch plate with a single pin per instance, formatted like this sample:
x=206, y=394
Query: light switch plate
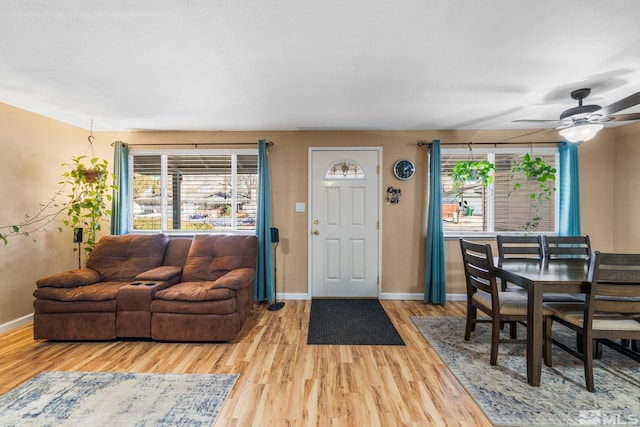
x=299, y=207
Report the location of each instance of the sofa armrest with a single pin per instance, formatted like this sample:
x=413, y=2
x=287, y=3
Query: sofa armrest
x=236, y=279
x=70, y=279
x=164, y=273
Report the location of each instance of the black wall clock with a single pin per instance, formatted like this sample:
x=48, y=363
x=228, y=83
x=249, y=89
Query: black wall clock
x=404, y=169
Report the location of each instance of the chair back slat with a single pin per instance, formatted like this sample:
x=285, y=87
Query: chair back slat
x=614, y=284
x=627, y=290
x=478, y=267
x=616, y=306
x=519, y=246
x=566, y=247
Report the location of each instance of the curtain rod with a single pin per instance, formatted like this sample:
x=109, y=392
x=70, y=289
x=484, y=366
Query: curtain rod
x=196, y=144
x=423, y=143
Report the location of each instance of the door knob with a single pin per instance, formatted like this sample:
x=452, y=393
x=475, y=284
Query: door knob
x=316, y=232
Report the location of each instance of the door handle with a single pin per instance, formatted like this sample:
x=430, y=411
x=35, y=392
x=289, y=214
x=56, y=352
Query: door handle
x=316, y=232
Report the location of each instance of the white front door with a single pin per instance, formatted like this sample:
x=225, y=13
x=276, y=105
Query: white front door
x=345, y=222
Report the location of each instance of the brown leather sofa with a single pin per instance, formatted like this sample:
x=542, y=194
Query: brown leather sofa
x=151, y=286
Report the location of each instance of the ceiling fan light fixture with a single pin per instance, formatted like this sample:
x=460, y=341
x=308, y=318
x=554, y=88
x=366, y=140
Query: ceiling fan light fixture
x=581, y=132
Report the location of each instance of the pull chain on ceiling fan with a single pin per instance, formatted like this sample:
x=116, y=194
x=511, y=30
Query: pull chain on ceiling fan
x=581, y=123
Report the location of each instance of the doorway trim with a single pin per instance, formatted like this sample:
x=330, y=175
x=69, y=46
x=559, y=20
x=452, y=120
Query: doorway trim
x=310, y=206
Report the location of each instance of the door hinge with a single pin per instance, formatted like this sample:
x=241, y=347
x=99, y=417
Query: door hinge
x=378, y=169
x=377, y=225
x=378, y=280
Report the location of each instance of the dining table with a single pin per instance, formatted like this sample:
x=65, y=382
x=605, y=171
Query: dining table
x=537, y=277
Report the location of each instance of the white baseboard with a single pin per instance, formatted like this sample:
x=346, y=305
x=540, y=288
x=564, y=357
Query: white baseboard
x=5, y=327
x=401, y=296
x=384, y=295
x=419, y=297
x=292, y=296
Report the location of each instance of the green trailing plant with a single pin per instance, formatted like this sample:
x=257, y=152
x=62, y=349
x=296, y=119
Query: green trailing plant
x=470, y=171
x=466, y=171
x=47, y=213
x=544, y=176
x=90, y=191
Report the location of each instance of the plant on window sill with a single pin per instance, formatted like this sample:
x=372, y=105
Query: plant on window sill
x=466, y=171
x=538, y=171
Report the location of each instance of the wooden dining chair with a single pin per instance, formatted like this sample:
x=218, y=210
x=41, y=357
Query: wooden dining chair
x=526, y=247
x=502, y=307
x=518, y=247
x=611, y=310
x=562, y=247
x=566, y=247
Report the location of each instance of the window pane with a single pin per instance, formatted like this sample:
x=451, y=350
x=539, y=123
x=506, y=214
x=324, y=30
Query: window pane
x=521, y=209
x=498, y=207
x=199, y=192
x=465, y=211
x=202, y=192
x=146, y=193
x=247, y=204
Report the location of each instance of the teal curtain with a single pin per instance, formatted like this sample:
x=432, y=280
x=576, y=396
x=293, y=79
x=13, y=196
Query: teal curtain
x=569, y=210
x=119, y=204
x=263, y=283
x=435, y=289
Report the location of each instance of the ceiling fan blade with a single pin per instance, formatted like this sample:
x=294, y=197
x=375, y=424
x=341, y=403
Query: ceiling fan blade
x=624, y=117
x=623, y=104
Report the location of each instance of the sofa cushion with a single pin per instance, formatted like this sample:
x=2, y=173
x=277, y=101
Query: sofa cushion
x=97, y=292
x=212, y=256
x=195, y=291
x=122, y=258
x=69, y=279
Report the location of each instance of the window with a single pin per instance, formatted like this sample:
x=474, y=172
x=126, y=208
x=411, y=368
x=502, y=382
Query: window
x=498, y=207
x=213, y=190
x=345, y=169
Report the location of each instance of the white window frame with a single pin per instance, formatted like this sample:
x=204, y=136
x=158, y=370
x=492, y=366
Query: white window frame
x=491, y=152
x=164, y=155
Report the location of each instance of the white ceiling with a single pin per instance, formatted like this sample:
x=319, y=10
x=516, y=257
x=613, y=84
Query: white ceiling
x=300, y=64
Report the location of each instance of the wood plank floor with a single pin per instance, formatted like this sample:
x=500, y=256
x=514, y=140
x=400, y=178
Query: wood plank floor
x=283, y=381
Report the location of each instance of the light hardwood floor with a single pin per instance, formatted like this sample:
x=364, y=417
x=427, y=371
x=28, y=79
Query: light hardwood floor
x=283, y=381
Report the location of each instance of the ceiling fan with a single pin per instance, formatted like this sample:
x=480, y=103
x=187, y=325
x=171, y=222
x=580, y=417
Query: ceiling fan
x=581, y=123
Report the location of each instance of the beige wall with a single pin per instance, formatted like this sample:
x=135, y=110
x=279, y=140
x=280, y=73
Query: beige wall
x=33, y=148
x=30, y=137
x=626, y=188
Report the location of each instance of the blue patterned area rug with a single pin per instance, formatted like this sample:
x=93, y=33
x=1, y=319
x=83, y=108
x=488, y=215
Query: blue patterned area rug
x=506, y=398
x=116, y=399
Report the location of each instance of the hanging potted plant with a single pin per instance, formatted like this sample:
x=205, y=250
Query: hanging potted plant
x=470, y=171
x=89, y=194
x=541, y=179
